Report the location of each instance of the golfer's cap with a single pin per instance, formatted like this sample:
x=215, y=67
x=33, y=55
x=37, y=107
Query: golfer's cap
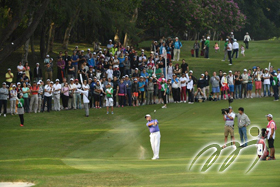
x=56, y=80
x=37, y=63
x=176, y=38
x=9, y=69
x=142, y=50
x=135, y=79
x=191, y=71
x=136, y=68
x=224, y=73
x=227, y=39
x=269, y=115
x=51, y=82
x=110, y=40
x=230, y=107
x=71, y=79
x=94, y=53
x=4, y=83
x=265, y=69
x=230, y=71
x=14, y=86
x=147, y=115
x=18, y=83
x=48, y=56
x=245, y=70
x=48, y=80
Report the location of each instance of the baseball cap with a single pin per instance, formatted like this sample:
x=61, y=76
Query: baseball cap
x=76, y=80
x=110, y=40
x=265, y=69
x=147, y=115
x=4, y=83
x=163, y=79
x=116, y=66
x=135, y=79
x=51, y=82
x=136, y=68
x=245, y=70
x=202, y=74
x=142, y=50
x=18, y=83
x=38, y=82
x=48, y=80
x=208, y=37
x=269, y=115
x=231, y=33
x=191, y=71
x=224, y=73
x=71, y=79
x=37, y=63
x=275, y=73
x=9, y=69
x=21, y=94
x=230, y=71
x=176, y=37
x=151, y=77
x=226, y=39
x=123, y=77
x=126, y=75
x=14, y=86
x=48, y=56
x=56, y=80
x=94, y=77
x=230, y=107
x=94, y=53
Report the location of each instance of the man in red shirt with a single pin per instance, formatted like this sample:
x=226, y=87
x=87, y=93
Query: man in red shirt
x=34, y=89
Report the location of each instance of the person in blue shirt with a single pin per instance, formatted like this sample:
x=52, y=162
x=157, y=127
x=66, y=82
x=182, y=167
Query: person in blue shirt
x=177, y=48
x=145, y=74
x=128, y=89
x=142, y=84
x=121, y=59
x=75, y=59
x=91, y=61
x=154, y=135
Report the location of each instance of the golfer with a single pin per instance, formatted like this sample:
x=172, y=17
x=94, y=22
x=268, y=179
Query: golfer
x=154, y=136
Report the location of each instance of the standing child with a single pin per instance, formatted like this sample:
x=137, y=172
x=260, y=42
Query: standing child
x=242, y=50
x=216, y=47
x=109, y=98
x=20, y=109
x=192, y=52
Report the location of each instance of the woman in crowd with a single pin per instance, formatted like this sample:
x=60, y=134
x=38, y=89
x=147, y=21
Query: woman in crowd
x=13, y=97
x=27, y=70
x=121, y=92
x=65, y=95
x=26, y=91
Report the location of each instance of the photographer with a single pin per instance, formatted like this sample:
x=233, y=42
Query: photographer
x=243, y=122
x=229, y=125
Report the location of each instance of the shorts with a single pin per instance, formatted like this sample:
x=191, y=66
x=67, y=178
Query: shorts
x=270, y=143
x=135, y=94
x=249, y=86
x=216, y=89
x=207, y=88
x=231, y=88
x=96, y=97
x=109, y=102
x=258, y=85
x=229, y=130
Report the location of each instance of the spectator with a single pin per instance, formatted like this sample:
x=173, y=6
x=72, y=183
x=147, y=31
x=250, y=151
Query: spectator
x=244, y=79
x=270, y=129
x=170, y=70
x=201, y=83
x=206, y=89
x=196, y=47
x=9, y=77
x=26, y=91
x=128, y=89
x=215, y=86
x=250, y=84
x=27, y=71
x=135, y=92
x=258, y=83
x=206, y=47
x=60, y=68
x=183, y=83
x=142, y=85
x=40, y=95
x=230, y=79
x=266, y=82
x=150, y=91
x=169, y=50
x=238, y=86
x=34, y=90
x=235, y=47
x=247, y=38
x=177, y=48
x=116, y=72
x=20, y=70
x=163, y=91
x=184, y=66
x=229, y=129
x=48, y=69
x=229, y=50
x=21, y=109
x=275, y=87
x=225, y=87
x=190, y=90
x=37, y=73
x=56, y=95
x=126, y=64
x=4, y=93
x=109, y=98
x=121, y=64
x=70, y=71
x=13, y=97
x=97, y=91
x=74, y=61
x=47, y=59
x=177, y=70
x=110, y=45
x=202, y=41
x=77, y=94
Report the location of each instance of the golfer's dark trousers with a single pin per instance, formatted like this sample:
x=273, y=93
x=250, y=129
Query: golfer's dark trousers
x=235, y=51
x=207, y=52
x=229, y=57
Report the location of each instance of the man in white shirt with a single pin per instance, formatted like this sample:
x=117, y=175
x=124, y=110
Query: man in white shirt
x=230, y=79
x=235, y=47
x=109, y=72
x=48, y=96
x=190, y=89
x=56, y=95
x=72, y=98
x=229, y=126
x=78, y=95
x=183, y=81
x=247, y=38
x=229, y=50
x=266, y=82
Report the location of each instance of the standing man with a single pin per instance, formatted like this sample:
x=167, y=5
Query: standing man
x=229, y=50
x=206, y=47
x=270, y=129
x=247, y=38
x=48, y=96
x=34, y=89
x=235, y=47
x=275, y=87
x=37, y=73
x=56, y=95
x=229, y=126
x=243, y=122
x=230, y=79
x=215, y=80
x=177, y=47
x=225, y=50
x=244, y=83
x=154, y=136
x=9, y=77
x=4, y=93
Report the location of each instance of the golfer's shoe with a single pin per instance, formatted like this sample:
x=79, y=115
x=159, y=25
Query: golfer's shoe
x=154, y=158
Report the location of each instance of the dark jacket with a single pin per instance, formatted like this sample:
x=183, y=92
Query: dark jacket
x=135, y=87
x=39, y=74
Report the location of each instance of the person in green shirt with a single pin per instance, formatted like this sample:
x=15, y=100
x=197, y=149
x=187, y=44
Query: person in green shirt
x=20, y=109
x=158, y=72
x=150, y=71
x=225, y=50
x=109, y=98
x=206, y=46
x=163, y=91
x=275, y=87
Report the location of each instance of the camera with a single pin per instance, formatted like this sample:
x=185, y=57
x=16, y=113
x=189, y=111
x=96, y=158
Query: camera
x=224, y=110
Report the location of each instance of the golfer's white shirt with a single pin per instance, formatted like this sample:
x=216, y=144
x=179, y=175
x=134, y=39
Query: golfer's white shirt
x=85, y=95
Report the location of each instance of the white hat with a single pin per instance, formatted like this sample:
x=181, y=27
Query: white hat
x=48, y=56
x=191, y=71
x=142, y=50
x=56, y=80
x=126, y=75
x=176, y=37
x=110, y=40
x=71, y=79
x=9, y=69
x=202, y=74
x=14, y=86
x=51, y=82
x=208, y=37
x=37, y=63
x=100, y=52
x=115, y=66
x=269, y=115
x=163, y=79
x=77, y=46
x=135, y=79
x=224, y=73
x=275, y=73
x=265, y=69
x=82, y=51
x=141, y=77
x=245, y=70
x=235, y=40
x=231, y=33
x=227, y=39
x=94, y=53
x=38, y=83
x=104, y=49
x=48, y=80
x=18, y=83
x=230, y=71
x=136, y=68
x=147, y=115
x=4, y=83
x=88, y=49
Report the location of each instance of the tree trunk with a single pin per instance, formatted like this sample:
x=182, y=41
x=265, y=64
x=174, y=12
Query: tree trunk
x=26, y=45
x=49, y=37
x=11, y=27
x=214, y=35
x=43, y=41
x=52, y=39
x=71, y=24
x=133, y=20
x=116, y=38
x=32, y=48
x=8, y=49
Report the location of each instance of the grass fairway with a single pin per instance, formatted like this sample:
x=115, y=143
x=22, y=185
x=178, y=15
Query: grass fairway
x=65, y=149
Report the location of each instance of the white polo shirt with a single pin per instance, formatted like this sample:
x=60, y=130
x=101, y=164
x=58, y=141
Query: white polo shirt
x=185, y=83
x=57, y=88
x=109, y=73
x=266, y=81
x=47, y=90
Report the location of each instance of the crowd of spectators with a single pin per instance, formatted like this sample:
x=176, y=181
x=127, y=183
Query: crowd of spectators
x=135, y=78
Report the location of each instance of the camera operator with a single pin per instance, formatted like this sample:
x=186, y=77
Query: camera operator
x=229, y=125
